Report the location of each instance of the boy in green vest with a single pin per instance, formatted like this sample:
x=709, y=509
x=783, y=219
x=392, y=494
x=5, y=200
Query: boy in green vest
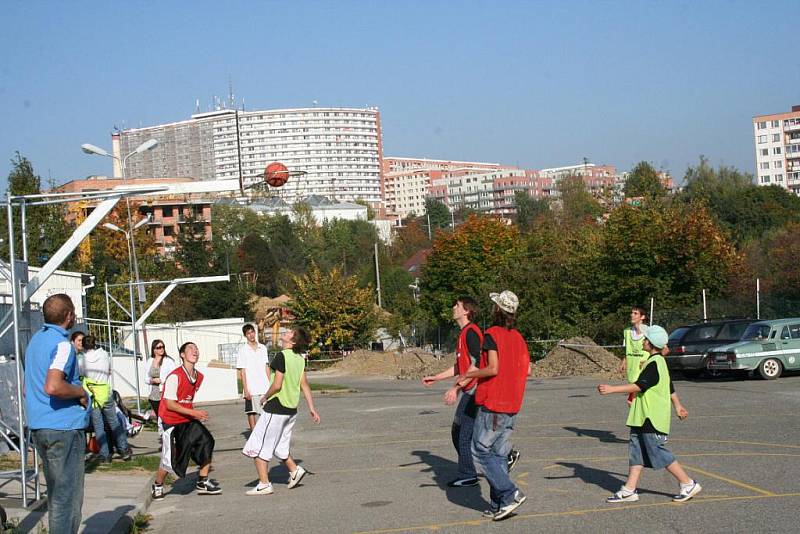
x=273, y=431
x=649, y=421
x=633, y=338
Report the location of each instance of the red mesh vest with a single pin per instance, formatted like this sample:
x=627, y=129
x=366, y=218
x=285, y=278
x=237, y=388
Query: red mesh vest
x=463, y=359
x=504, y=392
x=186, y=392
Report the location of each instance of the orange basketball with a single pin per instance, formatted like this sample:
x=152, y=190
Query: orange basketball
x=276, y=174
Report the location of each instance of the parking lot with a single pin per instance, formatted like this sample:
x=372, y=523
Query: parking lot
x=382, y=456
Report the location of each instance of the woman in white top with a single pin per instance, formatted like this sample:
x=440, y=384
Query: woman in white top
x=161, y=364
x=96, y=373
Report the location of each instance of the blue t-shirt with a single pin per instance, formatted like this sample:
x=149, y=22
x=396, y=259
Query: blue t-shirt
x=50, y=348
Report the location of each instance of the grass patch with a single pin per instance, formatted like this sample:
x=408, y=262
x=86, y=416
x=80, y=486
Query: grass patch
x=141, y=522
x=147, y=463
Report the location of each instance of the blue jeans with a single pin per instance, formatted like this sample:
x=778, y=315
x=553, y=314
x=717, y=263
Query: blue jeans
x=62, y=454
x=108, y=414
x=490, y=446
x=463, y=423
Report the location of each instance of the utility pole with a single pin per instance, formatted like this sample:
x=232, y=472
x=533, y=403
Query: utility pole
x=378, y=276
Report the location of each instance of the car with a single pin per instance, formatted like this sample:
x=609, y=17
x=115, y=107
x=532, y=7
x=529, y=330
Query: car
x=767, y=348
x=689, y=344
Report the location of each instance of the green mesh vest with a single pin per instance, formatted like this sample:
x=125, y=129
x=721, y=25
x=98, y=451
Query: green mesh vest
x=655, y=403
x=289, y=395
x=634, y=356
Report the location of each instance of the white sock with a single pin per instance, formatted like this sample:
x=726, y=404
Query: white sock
x=262, y=485
x=687, y=486
x=627, y=491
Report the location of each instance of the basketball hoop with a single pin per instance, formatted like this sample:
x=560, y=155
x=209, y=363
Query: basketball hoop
x=275, y=175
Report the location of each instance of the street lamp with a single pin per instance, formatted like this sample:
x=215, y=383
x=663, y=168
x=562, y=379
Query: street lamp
x=144, y=147
x=129, y=236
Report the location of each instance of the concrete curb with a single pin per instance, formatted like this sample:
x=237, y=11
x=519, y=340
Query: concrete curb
x=142, y=504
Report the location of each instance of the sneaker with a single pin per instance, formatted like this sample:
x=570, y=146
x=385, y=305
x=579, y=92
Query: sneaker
x=508, y=509
x=513, y=457
x=105, y=459
x=127, y=455
x=157, y=492
x=491, y=512
x=297, y=476
x=261, y=489
x=208, y=487
x=687, y=492
x=624, y=496
x=463, y=482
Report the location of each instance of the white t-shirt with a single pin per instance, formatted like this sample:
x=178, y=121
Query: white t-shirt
x=254, y=364
x=96, y=365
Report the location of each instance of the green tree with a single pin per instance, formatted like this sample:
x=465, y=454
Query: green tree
x=747, y=210
x=643, y=181
x=529, y=209
x=47, y=228
x=577, y=203
x=438, y=213
x=370, y=209
x=469, y=261
x=337, y=312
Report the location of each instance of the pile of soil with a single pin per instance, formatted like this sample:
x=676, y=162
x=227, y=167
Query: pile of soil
x=585, y=359
x=408, y=365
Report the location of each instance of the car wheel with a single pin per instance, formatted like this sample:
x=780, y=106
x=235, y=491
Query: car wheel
x=770, y=369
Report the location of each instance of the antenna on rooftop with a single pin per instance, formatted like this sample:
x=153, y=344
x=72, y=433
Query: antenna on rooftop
x=231, y=99
x=197, y=105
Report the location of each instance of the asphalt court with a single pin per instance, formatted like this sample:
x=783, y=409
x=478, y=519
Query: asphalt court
x=381, y=459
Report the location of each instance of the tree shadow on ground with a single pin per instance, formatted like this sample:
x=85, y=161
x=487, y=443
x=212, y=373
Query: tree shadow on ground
x=103, y=521
x=601, y=478
x=443, y=471
x=603, y=436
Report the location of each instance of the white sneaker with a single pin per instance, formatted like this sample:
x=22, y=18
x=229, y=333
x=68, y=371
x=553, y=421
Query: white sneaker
x=296, y=477
x=261, y=489
x=687, y=492
x=624, y=496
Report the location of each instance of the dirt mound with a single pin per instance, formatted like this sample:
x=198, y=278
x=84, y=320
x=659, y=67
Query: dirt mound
x=578, y=356
x=409, y=365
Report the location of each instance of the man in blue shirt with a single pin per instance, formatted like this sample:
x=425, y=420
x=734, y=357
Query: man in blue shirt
x=57, y=415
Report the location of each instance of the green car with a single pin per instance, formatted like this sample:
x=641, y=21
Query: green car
x=767, y=347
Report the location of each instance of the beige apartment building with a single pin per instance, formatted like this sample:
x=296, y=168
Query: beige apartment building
x=777, y=143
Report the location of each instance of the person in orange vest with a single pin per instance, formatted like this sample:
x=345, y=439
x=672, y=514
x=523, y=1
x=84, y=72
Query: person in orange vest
x=503, y=372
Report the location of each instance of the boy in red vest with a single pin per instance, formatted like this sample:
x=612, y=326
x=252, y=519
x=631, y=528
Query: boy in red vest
x=184, y=434
x=504, y=369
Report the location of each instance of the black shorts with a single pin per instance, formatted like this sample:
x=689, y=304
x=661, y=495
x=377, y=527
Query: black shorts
x=186, y=441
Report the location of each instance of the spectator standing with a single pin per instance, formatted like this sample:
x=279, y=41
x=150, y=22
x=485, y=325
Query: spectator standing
x=57, y=415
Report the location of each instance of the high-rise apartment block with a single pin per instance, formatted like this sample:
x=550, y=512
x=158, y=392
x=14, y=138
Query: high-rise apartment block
x=777, y=142
x=340, y=149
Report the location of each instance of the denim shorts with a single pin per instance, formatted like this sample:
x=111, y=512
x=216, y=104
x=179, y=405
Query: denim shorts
x=649, y=449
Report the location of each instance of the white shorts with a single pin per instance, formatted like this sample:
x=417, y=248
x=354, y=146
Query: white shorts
x=270, y=437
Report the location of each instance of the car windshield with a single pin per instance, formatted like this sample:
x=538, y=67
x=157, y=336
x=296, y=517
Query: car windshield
x=756, y=332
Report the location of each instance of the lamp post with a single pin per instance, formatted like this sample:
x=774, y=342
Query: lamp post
x=144, y=147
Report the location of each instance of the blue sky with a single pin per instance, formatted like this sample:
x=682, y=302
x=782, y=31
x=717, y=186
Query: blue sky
x=535, y=84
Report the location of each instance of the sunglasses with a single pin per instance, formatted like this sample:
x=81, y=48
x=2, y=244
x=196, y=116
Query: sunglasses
x=160, y=347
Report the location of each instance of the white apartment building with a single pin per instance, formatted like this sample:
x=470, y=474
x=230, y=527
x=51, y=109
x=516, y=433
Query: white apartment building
x=777, y=143
x=407, y=182
x=340, y=149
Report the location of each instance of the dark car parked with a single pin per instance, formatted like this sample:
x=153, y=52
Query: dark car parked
x=689, y=344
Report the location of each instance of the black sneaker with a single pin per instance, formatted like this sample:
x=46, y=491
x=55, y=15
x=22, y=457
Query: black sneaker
x=157, y=492
x=508, y=509
x=491, y=512
x=513, y=457
x=127, y=455
x=463, y=482
x=208, y=487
